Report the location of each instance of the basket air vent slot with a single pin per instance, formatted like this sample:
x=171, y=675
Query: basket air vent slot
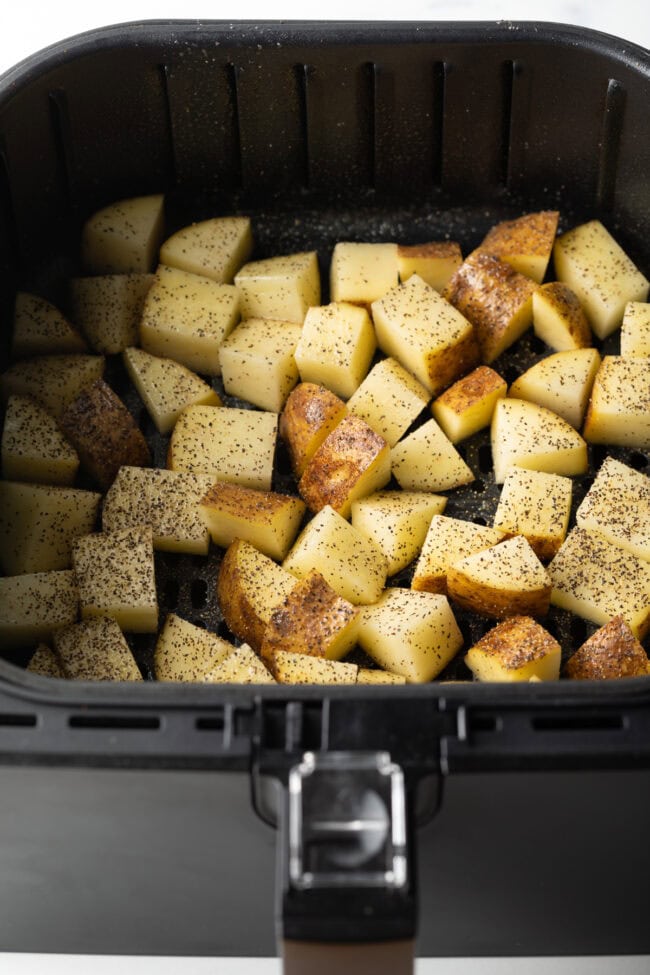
x=18, y=720
x=115, y=722
x=579, y=722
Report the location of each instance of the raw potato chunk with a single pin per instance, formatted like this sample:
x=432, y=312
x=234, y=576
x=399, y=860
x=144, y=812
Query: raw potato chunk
x=524, y=243
x=426, y=334
x=519, y=649
x=231, y=444
x=561, y=382
x=530, y=436
x=559, y=318
x=336, y=347
x=352, y=462
x=617, y=506
x=115, y=575
x=597, y=580
x=215, y=248
x=166, y=387
x=267, y=520
x=123, y=237
x=368, y=675
x=361, y=273
x=45, y=662
x=258, y=364
x=447, y=541
x=33, y=447
x=389, y=399
x=33, y=607
x=618, y=411
x=107, y=308
x=95, y=649
x=507, y=580
x=242, y=666
x=40, y=523
x=280, y=288
x=537, y=506
x=601, y=274
x=301, y=668
x=186, y=317
x=495, y=298
x=468, y=405
x=309, y=416
x=635, y=330
x=41, y=329
x=352, y=564
x=434, y=262
x=397, y=522
x=427, y=461
x=611, y=652
x=53, y=380
x=185, y=652
x=410, y=633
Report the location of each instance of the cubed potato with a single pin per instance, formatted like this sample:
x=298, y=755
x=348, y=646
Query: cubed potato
x=33, y=447
x=95, y=649
x=309, y=416
x=617, y=506
x=530, y=436
x=215, y=248
x=267, y=520
x=185, y=652
x=468, y=405
x=45, y=662
x=258, y=364
x=537, y=506
x=166, y=387
x=107, y=308
x=525, y=243
x=635, y=330
x=186, y=317
x=302, y=668
x=397, y=522
x=414, y=634
x=369, y=675
x=123, y=237
x=559, y=318
x=242, y=666
x=611, y=652
x=351, y=563
x=361, y=273
x=434, y=262
x=426, y=460
x=53, y=380
x=41, y=329
x=561, y=382
x=598, y=581
x=352, y=462
x=389, y=399
x=231, y=444
x=618, y=410
x=601, y=274
x=336, y=347
x=115, y=575
x=448, y=540
x=34, y=606
x=427, y=335
x=519, y=649
x=281, y=288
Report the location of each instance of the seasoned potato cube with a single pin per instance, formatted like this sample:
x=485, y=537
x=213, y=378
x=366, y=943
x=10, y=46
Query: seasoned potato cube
x=258, y=364
x=468, y=405
x=362, y=273
x=426, y=460
x=617, y=506
x=530, y=436
x=41, y=329
x=107, y=308
x=611, y=652
x=397, y=522
x=45, y=662
x=524, y=243
x=33, y=447
x=561, y=382
x=447, y=541
x=242, y=666
x=267, y=520
x=410, y=633
x=635, y=330
x=434, y=262
x=618, y=410
x=166, y=387
x=124, y=236
x=302, y=668
x=215, y=248
x=309, y=416
x=34, y=606
x=368, y=675
x=279, y=287
x=537, y=506
x=95, y=649
x=389, y=399
x=185, y=652
x=519, y=649
x=559, y=318
x=53, y=380
x=336, y=347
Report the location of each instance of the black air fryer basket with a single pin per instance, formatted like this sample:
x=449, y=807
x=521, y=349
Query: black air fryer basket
x=494, y=819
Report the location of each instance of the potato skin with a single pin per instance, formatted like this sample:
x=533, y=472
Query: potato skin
x=611, y=652
x=498, y=603
x=310, y=414
x=516, y=641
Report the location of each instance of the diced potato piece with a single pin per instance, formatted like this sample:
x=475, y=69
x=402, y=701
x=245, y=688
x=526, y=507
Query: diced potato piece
x=95, y=649
x=124, y=236
x=389, y=399
x=434, y=262
x=34, y=606
x=559, y=318
x=53, y=380
x=524, y=243
x=301, y=668
x=426, y=460
x=104, y=434
x=601, y=274
x=39, y=524
x=410, y=633
x=231, y=444
x=468, y=405
x=598, y=580
x=618, y=411
x=448, y=540
x=45, y=662
x=519, y=649
x=611, y=652
x=258, y=364
x=166, y=387
x=215, y=248
x=362, y=273
x=186, y=317
x=635, y=330
x=242, y=666
x=351, y=563
x=115, y=575
x=249, y=587
x=426, y=334
x=336, y=347
x=617, y=506
x=267, y=520
x=185, y=652
x=352, y=462
x=561, y=382
x=107, y=308
x=533, y=437
x=397, y=522
x=368, y=675
x=312, y=619
x=309, y=416
x=537, y=506
x=33, y=447
x=495, y=298
x=41, y=329
x=281, y=288
x=506, y=580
